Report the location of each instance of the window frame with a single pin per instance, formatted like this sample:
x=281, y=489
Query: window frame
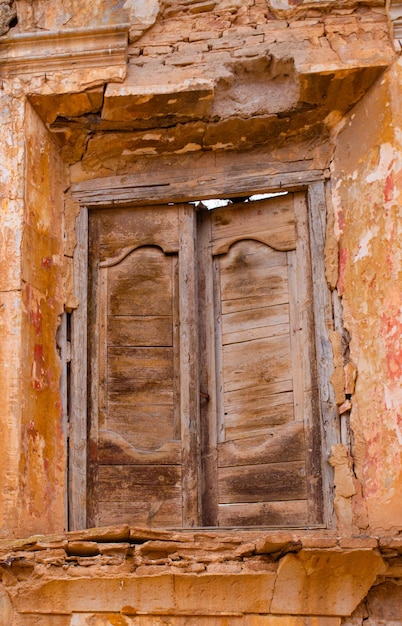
x=104, y=193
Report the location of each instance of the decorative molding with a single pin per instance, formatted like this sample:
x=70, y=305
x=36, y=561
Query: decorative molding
x=38, y=52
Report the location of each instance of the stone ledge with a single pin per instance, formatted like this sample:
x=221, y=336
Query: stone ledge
x=133, y=571
x=270, y=542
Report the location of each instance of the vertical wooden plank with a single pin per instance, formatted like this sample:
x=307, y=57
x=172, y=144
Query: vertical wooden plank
x=93, y=329
x=221, y=435
x=189, y=380
x=297, y=338
x=176, y=351
x=307, y=353
x=323, y=324
x=99, y=391
x=77, y=450
x=207, y=369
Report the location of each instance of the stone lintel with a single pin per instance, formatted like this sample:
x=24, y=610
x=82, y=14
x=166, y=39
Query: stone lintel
x=215, y=594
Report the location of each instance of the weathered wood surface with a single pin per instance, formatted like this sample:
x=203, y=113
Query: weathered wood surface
x=140, y=373
x=243, y=419
x=251, y=363
x=273, y=444
x=270, y=223
x=293, y=513
x=141, y=284
x=255, y=324
x=173, y=185
x=133, y=300
x=124, y=231
x=156, y=513
x=77, y=450
x=145, y=426
x=263, y=483
x=209, y=365
x=326, y=431
x=206, y=365
x=115, y=449
x=137, y=330
x=157, y=490
x=189, y=374
x=251, y=271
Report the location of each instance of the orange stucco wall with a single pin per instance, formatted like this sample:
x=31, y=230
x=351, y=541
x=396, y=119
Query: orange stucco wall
x=367, y=194
x=43, y=456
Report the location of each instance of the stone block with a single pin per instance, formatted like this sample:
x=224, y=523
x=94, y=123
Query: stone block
x=157, y=50
x=99, y=594
x=113, y=619
x=41, y=620
x=385, y=602
x=192, y=594
x=290, y=620
x=224, y=593
x=82, y=548
x=6, y=609
x=358, y=542
x=191, y=98
x=67, y=105
x=325, y=582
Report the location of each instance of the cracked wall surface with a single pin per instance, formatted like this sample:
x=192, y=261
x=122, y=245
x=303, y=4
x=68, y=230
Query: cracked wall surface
x=366, y=196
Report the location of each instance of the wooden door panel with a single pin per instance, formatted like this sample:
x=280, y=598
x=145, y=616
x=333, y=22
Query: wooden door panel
x=144, y=426
x=135, y=425
x=141, y=284
x=140, y=330
x=115, y=449
x=278, y=231
x=266, y=321
x=253, y=417
x=152, y=493
x=124, y=229
x=276, y=445
x=249, y=364
x=156, y=513
x=293, y=513
x=263, y=483
x=132, y=369
x=261, y=443
x=247, y=288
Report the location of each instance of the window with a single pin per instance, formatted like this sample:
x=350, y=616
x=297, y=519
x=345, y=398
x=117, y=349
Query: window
x=203, y=401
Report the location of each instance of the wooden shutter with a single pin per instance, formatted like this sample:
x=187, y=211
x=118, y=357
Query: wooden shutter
x=202, y=416
x=135, y=449
x=260, y=444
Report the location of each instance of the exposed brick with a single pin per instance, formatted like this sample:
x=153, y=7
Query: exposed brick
x=193, y=48
x=156, y=50
x=358, y=542
x=184, y=59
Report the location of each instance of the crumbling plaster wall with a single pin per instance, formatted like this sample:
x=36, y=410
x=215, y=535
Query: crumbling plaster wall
x=259, y=83
x=366, y=184
x=199, y=83
x=32, y=462
x=43, y=454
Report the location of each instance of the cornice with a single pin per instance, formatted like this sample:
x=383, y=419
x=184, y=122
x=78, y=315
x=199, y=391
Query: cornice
x=64, y=50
